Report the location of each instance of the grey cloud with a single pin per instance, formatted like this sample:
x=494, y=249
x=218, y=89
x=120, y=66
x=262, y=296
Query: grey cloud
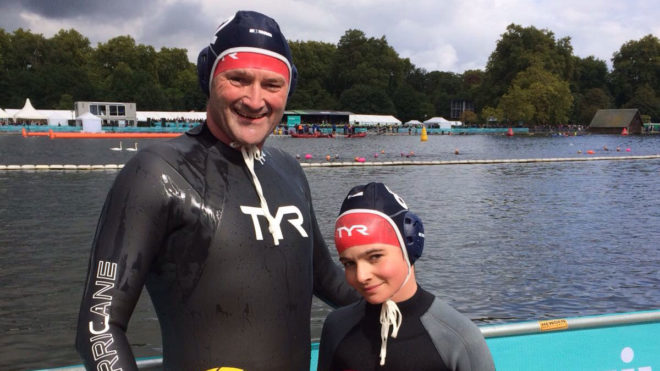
x=103, y=9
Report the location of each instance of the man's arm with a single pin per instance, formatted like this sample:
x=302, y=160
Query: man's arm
x=130, y=231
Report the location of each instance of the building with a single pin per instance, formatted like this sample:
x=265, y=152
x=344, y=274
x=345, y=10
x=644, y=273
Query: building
x=110, y=113
x=613, y=121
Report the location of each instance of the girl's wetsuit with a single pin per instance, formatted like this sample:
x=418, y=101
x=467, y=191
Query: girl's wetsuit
x=433, y=337
x=183, y=218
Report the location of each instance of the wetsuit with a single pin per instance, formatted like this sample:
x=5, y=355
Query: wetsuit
x=183, y=218
x=433, y=336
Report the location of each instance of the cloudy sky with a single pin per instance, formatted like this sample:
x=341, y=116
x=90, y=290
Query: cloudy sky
x=442, y=35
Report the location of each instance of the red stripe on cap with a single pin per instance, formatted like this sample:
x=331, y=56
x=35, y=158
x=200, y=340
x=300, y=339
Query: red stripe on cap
x=252, y=60
x=361, y=228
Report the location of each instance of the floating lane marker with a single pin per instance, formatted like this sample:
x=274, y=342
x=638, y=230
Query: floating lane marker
x=58, y=167
x=477, y=161
x=86, y=167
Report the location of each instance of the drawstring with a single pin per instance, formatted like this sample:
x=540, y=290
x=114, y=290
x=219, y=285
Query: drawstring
x=390, y=315
x=249, y=155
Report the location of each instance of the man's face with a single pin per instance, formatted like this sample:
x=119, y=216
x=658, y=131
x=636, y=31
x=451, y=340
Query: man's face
x=247, y=103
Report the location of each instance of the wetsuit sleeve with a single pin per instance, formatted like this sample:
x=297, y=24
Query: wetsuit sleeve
x=329, y=282
x=130, y=231
x=457, y=339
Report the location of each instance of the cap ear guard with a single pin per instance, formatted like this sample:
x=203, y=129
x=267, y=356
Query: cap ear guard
x=413, y=236
x=204, y=69
x=294, y=80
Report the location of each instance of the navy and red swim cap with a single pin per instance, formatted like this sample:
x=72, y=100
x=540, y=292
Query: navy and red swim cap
x=247, y=40
x=373, y=213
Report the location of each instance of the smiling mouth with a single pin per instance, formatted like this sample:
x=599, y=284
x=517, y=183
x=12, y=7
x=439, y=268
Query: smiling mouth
x=370, y=288
x=251, y=116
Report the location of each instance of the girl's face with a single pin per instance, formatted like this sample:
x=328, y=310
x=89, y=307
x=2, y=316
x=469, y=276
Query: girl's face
x=377, y=271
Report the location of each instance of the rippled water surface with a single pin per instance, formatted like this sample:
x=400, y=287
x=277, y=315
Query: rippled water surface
x=505, y=242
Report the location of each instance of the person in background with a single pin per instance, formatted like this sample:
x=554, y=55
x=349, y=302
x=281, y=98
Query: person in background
x=398, y=325
x=219, y=228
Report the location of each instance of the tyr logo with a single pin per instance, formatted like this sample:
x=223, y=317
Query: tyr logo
x=361, y=229
x=296, y=221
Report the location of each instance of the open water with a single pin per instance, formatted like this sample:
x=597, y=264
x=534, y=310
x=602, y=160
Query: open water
x=505, y=242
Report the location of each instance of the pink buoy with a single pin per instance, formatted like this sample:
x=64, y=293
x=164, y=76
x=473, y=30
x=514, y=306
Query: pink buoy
x=361, y=159
x=627, y=149
x=375, y=155
x=308, y=156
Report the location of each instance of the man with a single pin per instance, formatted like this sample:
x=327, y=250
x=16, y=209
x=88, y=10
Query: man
x=220, y=229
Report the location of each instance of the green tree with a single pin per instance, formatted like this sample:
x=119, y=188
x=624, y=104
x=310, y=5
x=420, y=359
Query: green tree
x=366, y=99
x=314, y=62
x=537, y=96
x=518, y=49
x=591, y=101
x=636, y=64
x=646, y=100
x=25, y=59
x=366, y=63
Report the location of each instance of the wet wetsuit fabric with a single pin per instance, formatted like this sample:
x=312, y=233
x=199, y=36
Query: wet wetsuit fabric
x=433, y=336
x=184, y=219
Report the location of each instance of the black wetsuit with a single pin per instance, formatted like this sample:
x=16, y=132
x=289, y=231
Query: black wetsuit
x=432, y=337
x=184, y=219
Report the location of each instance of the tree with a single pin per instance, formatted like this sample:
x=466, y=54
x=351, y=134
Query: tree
x=636, y=64
x=537, y=96
x=590, y=102
x=367, y=62
x=314, y=61
x=367, y=99
x=646, y=100
x=519, y=49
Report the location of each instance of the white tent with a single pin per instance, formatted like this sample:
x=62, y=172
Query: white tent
x=4, y=115
x=89, y=122
x=58, y=117
x=29, y=113
x=442, y=122
x=373, y=120
x=170, y=115
x=413, y=122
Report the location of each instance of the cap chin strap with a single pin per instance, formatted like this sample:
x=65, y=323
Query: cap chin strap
x=390, y=316
x=250, y=154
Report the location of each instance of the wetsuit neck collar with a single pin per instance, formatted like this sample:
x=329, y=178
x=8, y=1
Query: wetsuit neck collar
x=407, y=307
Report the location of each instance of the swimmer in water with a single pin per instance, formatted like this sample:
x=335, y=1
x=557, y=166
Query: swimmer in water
x=398, y=325
x=219, y=228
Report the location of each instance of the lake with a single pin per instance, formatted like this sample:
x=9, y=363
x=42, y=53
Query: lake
x=505, y=241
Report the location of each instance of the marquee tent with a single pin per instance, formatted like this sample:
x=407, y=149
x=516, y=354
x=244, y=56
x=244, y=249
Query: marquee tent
x=58, y=117
x=413, y=122
x=89, y=122
x=3, y=114
x=442, y=122
x=373, y=120
x=171, y=115
x=29, y=113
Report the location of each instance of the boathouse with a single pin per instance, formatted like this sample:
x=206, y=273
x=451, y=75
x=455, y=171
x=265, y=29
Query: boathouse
x=613, y=121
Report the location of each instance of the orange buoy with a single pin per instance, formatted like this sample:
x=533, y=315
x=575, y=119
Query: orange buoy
x=24, y=132
x=591, y=152
x=624, y=131
x=327, y=157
